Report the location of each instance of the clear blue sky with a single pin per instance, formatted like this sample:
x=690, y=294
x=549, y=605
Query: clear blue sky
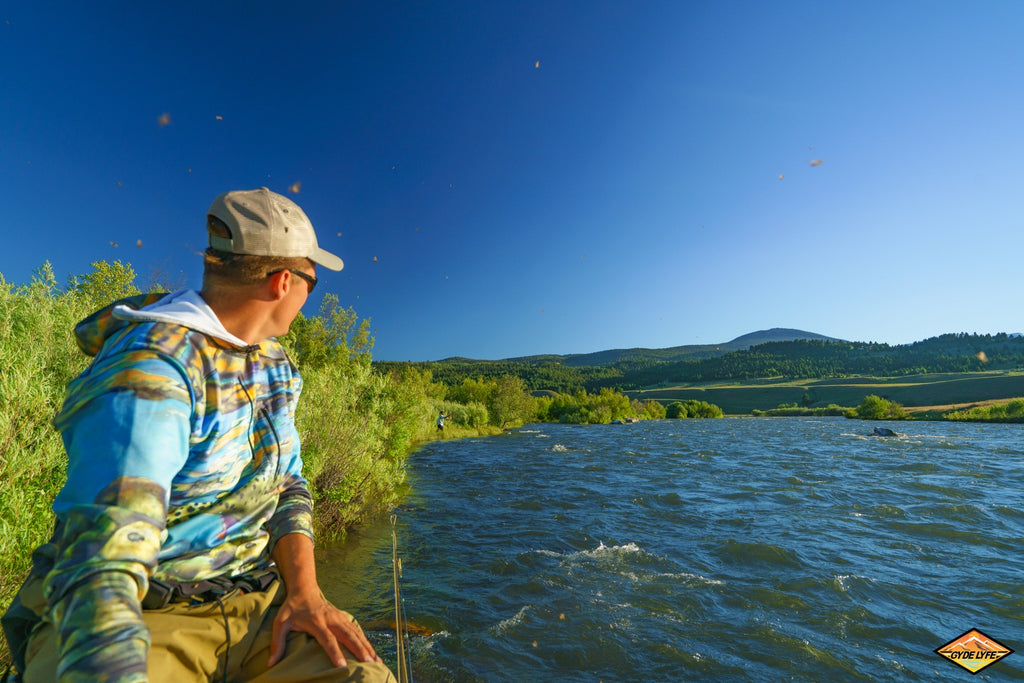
x=513, y=178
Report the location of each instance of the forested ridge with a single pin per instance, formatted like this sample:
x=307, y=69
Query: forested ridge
x=800, y=359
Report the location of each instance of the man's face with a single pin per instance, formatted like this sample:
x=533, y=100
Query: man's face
x=298, y=292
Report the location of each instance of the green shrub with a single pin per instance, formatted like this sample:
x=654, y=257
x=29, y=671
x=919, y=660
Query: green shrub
x=702, y=409
x=38, y=357
x=877, y=408
x=1004, y=412
x=692, y=408
x=1015, y=409
x=356, y=426
x=469, y=415
x=648, y=410
x=676, y=410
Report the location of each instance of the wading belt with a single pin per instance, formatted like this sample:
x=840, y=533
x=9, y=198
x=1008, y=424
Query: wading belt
x=163, y=592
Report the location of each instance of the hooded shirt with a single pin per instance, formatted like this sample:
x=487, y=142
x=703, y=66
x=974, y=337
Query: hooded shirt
x=183, y=465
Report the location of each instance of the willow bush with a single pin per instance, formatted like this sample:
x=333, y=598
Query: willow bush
x=1012, y=411
x=471, y=415
x=38, y=357
x=357, y=426
x=877, y=408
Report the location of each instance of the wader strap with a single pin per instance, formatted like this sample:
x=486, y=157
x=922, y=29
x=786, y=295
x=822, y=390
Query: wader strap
x=18, y=623
x=163, y=592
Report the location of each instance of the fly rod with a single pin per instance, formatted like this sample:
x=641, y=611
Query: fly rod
x=400, y=643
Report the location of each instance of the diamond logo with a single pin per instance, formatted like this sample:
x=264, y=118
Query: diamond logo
x=974, y=650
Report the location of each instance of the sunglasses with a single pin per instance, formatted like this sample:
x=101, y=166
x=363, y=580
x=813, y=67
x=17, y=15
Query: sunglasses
x=311, y=280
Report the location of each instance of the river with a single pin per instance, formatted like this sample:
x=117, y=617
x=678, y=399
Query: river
x=737, y=549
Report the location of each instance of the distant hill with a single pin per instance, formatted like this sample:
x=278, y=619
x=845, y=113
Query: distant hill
x=674, y=353
x=777, y=334
x=767, y=354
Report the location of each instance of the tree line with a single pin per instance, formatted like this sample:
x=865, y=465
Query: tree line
x=815, y=359
x=800, y=359
x=536, y=375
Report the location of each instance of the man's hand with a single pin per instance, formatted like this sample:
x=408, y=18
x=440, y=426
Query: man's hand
x=331, y=627
x=306, y=609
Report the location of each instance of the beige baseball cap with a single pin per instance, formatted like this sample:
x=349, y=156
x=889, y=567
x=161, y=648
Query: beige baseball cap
x=264, y=223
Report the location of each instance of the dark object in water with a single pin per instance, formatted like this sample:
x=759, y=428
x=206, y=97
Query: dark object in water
x=389, y=625
x=884, y=431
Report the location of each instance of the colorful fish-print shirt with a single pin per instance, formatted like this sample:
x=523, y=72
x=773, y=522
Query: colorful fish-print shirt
x=183, y=464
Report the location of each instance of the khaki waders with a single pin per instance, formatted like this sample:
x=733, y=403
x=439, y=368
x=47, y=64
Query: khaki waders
x=189, y=643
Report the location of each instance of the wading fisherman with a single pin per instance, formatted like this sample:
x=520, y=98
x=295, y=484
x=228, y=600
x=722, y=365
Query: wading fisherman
x=183, y=548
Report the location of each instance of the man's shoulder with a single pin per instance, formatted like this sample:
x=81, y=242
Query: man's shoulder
x=170, y=339
x=194, y=356
x=151, y=349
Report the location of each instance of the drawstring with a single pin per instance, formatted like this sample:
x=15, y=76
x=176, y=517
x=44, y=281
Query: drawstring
x=252, y=418
x=227, y=636
x=249, y=350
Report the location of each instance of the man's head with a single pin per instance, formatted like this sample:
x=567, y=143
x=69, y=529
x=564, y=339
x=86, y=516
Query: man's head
x=264, y=223
x=262, y=248
x=253, y=233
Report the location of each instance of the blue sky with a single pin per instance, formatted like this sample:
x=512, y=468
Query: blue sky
x=513, y=178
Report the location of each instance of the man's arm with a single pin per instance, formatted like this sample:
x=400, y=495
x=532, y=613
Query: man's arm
x=306, y=609
x=125, y=433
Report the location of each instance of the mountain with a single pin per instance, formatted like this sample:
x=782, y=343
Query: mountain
x=777, y=334
x=674, y=353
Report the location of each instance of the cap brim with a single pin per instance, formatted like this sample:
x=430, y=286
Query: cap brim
x=327, y=260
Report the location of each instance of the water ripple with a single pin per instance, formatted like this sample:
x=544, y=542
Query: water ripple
x=727, y=550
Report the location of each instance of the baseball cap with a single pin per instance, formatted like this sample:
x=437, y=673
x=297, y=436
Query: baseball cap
x=264, y=223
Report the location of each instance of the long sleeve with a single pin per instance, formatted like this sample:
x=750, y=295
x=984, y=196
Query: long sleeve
x=126, y=436
x=183, y=465
x=294, y=513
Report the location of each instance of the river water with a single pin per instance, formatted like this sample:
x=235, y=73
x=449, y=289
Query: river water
x=737, y=549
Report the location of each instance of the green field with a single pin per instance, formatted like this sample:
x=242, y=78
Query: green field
x=915, y=391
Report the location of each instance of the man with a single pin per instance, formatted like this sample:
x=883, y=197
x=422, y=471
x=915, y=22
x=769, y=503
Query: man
x=183, y=548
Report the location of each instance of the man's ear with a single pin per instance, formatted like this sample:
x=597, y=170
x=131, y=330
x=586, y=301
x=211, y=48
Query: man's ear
x=279, y=283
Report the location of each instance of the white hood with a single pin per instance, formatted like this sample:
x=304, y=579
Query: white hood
x=184, y=307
